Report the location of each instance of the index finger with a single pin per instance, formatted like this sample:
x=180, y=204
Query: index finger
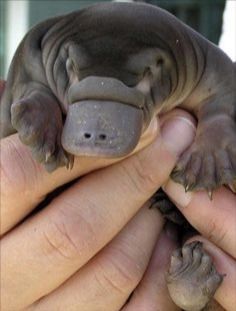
x=25, y=183
x=214, y=219
x=84, y=218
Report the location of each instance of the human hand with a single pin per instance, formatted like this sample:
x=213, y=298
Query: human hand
x=216, y=222
x=90, y=247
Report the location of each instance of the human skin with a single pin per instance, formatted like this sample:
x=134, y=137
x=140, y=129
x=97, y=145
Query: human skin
x=96, y=238
x=215, y=220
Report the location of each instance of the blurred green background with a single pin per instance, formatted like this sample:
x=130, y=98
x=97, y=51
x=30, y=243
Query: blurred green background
x=17, y=16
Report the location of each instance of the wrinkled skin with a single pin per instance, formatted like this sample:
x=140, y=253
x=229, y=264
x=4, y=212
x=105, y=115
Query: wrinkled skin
x=88, y=83
x=192, y=278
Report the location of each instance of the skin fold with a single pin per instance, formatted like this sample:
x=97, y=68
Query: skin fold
x=90, y=82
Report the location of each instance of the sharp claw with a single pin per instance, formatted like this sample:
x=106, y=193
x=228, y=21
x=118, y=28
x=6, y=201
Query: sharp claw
x=48, y=155
x=67, y=160
x=210, y=194
x=175, y=173
x=71, y=161
x=186, y=188
x=232, y=187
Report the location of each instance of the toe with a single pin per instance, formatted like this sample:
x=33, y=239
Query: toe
x=187, y=252
x=206, y=266
x=197, y=255
x=213, y=283
x=224, y=169
x=231, y=151
x=175, y=263
x=193, y=171
x=178, y=173
x=207, y=178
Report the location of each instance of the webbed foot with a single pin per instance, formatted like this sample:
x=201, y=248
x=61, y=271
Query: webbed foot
x=161, y=201
x=211, y=161
x=38, y=120
x=192, y=279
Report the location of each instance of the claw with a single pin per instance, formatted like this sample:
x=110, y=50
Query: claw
x=210, y=194
x=66, y=161
x=233, y=186
x=187, y=188
x=47, y=156
x=69, y=161
x=175, y=172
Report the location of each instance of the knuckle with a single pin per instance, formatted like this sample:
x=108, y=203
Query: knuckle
x=120, y=273
x=8, y=180
x=217, y=233
x=58, y=243
x=68, y=234
x=15, y=178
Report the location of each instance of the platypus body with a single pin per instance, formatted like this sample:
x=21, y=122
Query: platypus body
x=89, y=83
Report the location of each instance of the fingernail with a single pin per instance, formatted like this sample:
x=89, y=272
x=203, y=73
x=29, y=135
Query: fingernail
x=177, y=194
x=178, y=133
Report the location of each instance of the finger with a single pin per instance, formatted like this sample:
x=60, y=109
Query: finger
x=226, y=265
x=79, y=223
x=152, y=294
x=214, y=219
x=107, y=280
x=25, y=183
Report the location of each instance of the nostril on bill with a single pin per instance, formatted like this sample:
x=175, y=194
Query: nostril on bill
x=102, y=136
x=100, y=127
x=87, y=135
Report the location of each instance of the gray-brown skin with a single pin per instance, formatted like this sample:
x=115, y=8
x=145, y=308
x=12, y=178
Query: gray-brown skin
x=192, y=278
x=89, y=83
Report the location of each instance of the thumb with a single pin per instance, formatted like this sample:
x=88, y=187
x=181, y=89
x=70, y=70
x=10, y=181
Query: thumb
x=177, y=130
